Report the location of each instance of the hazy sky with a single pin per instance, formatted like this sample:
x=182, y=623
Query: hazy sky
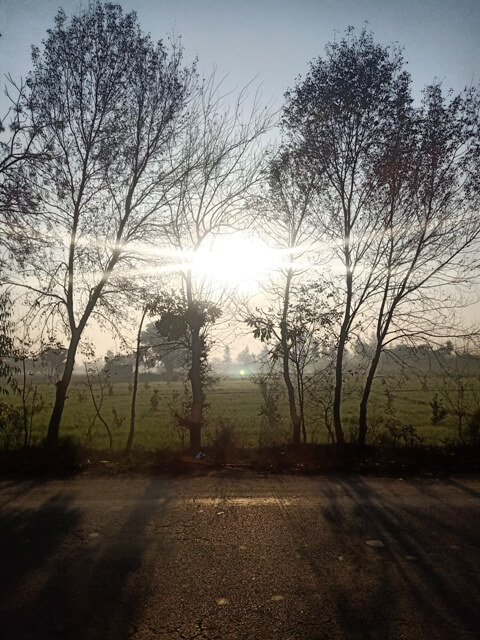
x=275, y=39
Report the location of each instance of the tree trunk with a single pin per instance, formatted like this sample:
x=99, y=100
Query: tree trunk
x=24, y=404
x=301, y=401
x=362, y=422
x=195, y=438
x=61, y=393
x=337, y=397
x=131, y=433
x=196, y=409
x=295, y=418
x=302, y=419
x=342, y=341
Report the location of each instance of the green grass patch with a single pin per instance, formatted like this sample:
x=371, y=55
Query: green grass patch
x=236, y=404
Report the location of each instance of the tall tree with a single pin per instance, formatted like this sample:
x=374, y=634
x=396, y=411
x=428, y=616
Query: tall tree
x=431, y=232
x=342, y=116
x=288, y=209
x=108, y=106
x=225, y=160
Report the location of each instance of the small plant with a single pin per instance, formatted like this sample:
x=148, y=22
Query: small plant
x=117, y=420
x=438, y=410
x=96, y=377
x=375, y=424
x=11, y=426
x=399, y=434
x=390, y=409
x=154, y=400
x=270, y=412
x=37, y=405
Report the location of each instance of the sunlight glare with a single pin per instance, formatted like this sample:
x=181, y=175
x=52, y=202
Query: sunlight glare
x=238, y=260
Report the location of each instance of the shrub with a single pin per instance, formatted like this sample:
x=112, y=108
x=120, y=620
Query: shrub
x=473, y=429
x=11, y=426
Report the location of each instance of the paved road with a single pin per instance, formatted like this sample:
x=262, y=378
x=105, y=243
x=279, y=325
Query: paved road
x=239, y=557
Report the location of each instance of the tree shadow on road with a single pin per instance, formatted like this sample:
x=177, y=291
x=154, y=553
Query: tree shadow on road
x=29, y=538
x=99, y=582
x=418, y=578
x=11, y=490
x=461, y=486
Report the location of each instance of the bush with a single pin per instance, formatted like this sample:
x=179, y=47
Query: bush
x=11, y=426
x=473, y=429
x=398, y=434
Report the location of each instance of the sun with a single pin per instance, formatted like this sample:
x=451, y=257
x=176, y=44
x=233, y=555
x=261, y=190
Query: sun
x=238, y=260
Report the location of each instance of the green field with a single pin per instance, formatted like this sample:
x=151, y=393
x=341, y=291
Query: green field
x=237, y=403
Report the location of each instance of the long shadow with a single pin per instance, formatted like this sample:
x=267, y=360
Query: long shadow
x=98, y=590
x=439, y=590
x=11, y=490
x=458, y=527
x=28, y=537
x=358, y=595
x=461, y=487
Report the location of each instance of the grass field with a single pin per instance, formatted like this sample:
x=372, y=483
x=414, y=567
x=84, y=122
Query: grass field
x=236, y=403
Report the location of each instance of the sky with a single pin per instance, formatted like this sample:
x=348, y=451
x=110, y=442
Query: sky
x=274, y=40
x=271, y=42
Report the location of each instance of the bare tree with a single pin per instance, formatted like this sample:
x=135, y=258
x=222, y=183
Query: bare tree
x=108, y=106
x=342, y=116
x=431, y=225
x=150, y=306
x=225, y=158
x=299, y=335
x=287, y=210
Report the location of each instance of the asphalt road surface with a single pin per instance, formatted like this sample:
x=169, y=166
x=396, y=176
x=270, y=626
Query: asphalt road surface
x=99, y=557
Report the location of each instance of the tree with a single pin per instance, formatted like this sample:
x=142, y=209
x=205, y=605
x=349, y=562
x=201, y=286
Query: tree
x=186, y=324
x=108, y=106
x=150, y=305
x=225, y=161
x=287, y=210
x=341, y=117
x=17, y=152
x=156, y=349
x=227, y=359
x=244, y=357
x=298, y=338
x=429, y=184
x=7, y=349
x=461, y=393
x=119, y=367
